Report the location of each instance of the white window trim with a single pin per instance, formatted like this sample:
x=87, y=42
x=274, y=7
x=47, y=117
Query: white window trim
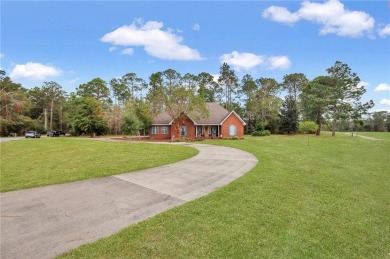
x=235, y=130
x=164, y=130
x=154, y=130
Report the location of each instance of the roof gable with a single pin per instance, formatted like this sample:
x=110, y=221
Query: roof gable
x=217, y=115
x=234, y=114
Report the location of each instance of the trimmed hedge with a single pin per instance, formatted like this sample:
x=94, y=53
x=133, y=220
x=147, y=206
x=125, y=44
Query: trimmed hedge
x=308, y=127
x=261, y=133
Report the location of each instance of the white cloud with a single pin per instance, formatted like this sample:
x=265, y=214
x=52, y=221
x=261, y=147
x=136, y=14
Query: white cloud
x=363, y=84
x=385, y=101
x=128, y=51
x=383, y=87
x=112, y=48
x=279, y=62
x=280, y=14
x=196, y=27
x=332, y=15
x=384, y=31
x=34, y=71
x=242, y=61
x=248, y=61
x=163, y=44
x=74, y=80
x=215, y=77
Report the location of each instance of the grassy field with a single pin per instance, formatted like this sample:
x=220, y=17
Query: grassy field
x=377, y=135
x=38, y=162
x=328, y=199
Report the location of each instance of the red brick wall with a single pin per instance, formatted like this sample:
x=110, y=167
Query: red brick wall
x=160, y=136
x=190, y=129
x=171, y=131
x=232, y=120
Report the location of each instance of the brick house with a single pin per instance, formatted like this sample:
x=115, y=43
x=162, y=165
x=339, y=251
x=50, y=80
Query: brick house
x=219, y=124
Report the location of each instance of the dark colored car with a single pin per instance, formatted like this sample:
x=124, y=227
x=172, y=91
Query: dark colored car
x=32, y=134
x=61, y=132
x=53, y=133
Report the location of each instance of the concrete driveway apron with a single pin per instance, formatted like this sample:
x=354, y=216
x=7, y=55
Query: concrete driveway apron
x=44, y=222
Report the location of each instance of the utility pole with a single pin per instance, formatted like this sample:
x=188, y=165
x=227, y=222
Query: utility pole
x=61, y=117
x=51, y=113
x=45, y=111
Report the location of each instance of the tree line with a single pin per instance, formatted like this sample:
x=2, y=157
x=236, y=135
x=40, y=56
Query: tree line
x=127, y=105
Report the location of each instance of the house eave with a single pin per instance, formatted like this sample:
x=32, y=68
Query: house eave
x=160, y=124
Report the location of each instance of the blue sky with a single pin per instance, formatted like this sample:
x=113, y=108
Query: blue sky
x=72, y=42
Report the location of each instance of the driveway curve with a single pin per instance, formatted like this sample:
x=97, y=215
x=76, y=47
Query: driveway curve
x=44, y=222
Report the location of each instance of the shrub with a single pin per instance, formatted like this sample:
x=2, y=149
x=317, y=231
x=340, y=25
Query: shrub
x=261, y=133
x=233, y=138
x=309, y=127
x=259, y=127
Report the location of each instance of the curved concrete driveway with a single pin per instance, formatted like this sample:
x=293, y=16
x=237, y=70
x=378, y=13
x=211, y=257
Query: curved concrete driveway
x=44, y=222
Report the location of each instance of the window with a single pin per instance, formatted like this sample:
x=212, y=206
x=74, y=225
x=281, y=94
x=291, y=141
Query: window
x=232, y=130
x=154, y=130
x=198, y=131
x=183, y=131
x=164, y=130
x=213, y=131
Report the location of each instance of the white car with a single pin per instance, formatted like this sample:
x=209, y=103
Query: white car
x=32, y=134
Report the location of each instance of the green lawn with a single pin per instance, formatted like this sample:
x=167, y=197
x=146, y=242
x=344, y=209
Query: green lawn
x=330, y=199
x=377, y=135
x=31, y=163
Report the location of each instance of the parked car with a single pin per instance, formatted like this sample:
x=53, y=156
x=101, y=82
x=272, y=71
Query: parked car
x=61, y=132
x=53, y=133
x=32, y=134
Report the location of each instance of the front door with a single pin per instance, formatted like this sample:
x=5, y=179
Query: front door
x=198, y=131
x=183, y=131
x=213, y=131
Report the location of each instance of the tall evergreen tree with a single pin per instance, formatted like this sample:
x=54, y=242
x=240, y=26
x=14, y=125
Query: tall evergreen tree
x=208, y=89
x=228, y=78
x=289, y=116
x=316, y=99
x=53, y=92
x=96, y=88
x=346, y=94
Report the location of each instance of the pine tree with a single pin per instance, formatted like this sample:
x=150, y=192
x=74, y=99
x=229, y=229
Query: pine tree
x=289, y=116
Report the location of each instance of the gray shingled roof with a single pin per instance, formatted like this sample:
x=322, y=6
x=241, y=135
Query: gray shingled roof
x=216, y=115
x=162, y=119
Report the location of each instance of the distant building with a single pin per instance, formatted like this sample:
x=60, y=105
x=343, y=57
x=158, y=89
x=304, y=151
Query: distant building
x=219, y=124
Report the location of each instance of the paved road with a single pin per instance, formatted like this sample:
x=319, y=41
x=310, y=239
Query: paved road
x=44, y=222
x=9, y=139
x=365, y=137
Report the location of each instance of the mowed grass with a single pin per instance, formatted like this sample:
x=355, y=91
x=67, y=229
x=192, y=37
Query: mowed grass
x=377, y=135
x=31, y=163
x=330, y=199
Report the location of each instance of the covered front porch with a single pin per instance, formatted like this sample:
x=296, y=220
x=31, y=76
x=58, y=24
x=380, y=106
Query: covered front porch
x=207, y=131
